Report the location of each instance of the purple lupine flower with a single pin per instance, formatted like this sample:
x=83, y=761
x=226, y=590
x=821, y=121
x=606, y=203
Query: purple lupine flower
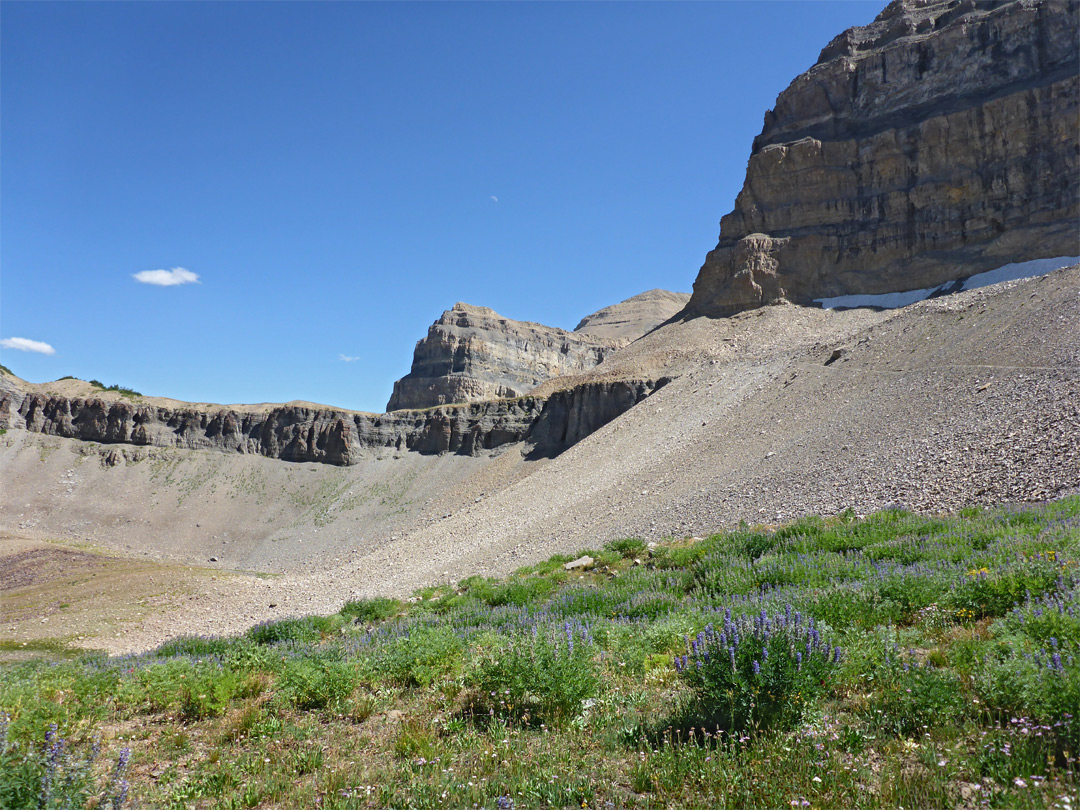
x=798, y=662
x=764, y=653
x=757, y=667
x=731, y=652
x=1055, y=661
x=678, y=664
x=54, y=749
x=836, y=655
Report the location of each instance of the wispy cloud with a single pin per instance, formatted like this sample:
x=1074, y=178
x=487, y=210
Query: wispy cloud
x=167, y=278
x=27, y=345
x=494, y=199
x=346, y=359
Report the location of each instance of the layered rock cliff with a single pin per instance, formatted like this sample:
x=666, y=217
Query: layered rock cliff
x=299, y=432
x=473, y=353
x=937, y=142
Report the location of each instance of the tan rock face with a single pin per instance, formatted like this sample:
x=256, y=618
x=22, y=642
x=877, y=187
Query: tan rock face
x=632, y=318
x=938, y=142
x=473, y=353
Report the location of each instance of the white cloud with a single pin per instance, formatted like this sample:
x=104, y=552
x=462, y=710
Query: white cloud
x=494, y=198
x=345, y=358
x=167, y=278
x=25, y=345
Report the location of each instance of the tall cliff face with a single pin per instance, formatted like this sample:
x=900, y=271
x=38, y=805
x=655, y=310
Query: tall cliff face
x=472, y=353
x=935, y=143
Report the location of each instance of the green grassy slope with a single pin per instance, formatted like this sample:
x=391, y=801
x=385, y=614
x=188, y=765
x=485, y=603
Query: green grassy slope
x=896, y=660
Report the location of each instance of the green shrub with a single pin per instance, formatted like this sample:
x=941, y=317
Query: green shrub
x=628, y=548
x=371, y=610
x=195, y=646
x=986, y=592
x=912, y=698
x=58, y=774
x=308, y=629
x=536, y=678
x=757, y=672
x=207, y=692
x=316, y=683
x=422, y=657
x=1031, y=681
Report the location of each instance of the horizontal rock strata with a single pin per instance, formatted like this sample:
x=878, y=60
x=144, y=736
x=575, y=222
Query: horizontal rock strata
x=938, y=142
x=473, y=353
x=296, y=433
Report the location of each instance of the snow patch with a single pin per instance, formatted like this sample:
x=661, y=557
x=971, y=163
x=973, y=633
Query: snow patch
x=1008, y=272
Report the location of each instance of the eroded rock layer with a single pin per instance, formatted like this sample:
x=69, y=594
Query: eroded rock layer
x=937, y=142
x=473, y=353
x=300, y=433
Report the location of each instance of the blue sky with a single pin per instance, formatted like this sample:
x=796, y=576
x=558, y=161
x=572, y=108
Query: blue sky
x=338, y=174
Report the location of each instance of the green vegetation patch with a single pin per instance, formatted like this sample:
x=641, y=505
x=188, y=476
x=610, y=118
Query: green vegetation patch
x=900, y=659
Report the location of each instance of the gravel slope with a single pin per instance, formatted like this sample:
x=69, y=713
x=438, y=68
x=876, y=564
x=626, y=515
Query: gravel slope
x=971, y=398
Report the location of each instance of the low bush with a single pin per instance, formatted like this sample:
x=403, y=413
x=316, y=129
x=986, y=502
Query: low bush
x=196, y=647
x=757, y=673
x=307, y=629
x=316, y=683
x=371, y=610
x=58, y=774
x=534, y=678
x=422, y=657
x=627, y=548
x=987, y=592
x=914, y=697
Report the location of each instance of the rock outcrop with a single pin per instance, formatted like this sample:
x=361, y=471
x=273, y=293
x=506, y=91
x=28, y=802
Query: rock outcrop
x=573, y=413
x=296, y=432
x=937, y=142
x=634, y=317
x=286, y=432
x=472, y=353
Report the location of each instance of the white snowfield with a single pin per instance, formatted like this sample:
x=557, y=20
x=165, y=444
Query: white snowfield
x=1008, y=272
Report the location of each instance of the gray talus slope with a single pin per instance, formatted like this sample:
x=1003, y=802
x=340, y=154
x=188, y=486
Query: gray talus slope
x=769, y=414
x=973, y=398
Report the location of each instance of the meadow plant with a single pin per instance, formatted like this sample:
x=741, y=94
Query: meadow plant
x=541, y=676
x=307, y=629
x=316, y=683
x=57, y=774
x=757, y=672
x=914, y=696
x=422, y=656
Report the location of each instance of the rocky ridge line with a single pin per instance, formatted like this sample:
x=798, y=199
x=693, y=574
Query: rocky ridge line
x=298, y=433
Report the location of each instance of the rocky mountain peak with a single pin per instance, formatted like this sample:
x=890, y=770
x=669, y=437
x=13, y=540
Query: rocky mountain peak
x=938, y=142
x=472, y=353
